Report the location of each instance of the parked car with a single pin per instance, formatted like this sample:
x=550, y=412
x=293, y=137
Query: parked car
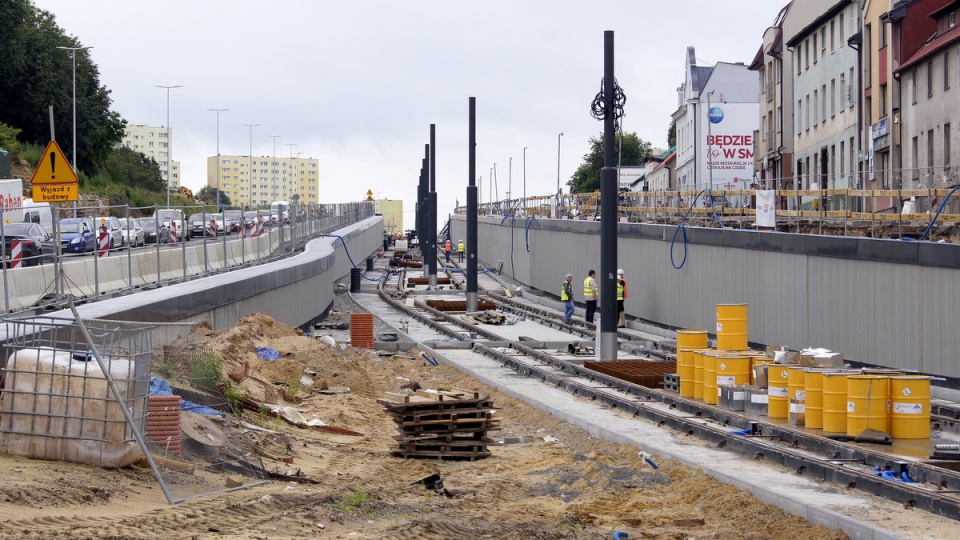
x=77, y=235
x=199, y=224
x=234, y=219
x=36, y=245
x=153, y=234
x=114, y=230
x=251, y=219
x=132, y=232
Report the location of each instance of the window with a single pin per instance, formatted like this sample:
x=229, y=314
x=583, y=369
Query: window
x=832, y=43
x=806, y=54
x=913, y=87
x=806, y=118
x=946, y=146
x=930, y=150
x=883, y=100
x=816, y=53
x=833, y=98
x=946, y=70
x=930, y=79
x=867, y=46
x=842, y=157
x=883, y=36
x=799, y=56
x=823, y=103
x=842, y=41
x=851, y=96
x=951, y=21
x=815, y=108
x=823, y=40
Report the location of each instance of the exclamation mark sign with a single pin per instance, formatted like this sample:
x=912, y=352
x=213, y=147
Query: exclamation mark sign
x=53, y=165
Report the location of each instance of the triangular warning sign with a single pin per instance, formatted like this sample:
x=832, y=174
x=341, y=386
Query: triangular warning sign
x=54, y=168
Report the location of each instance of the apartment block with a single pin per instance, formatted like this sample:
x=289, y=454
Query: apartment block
x=155, y=142
x=259, y=180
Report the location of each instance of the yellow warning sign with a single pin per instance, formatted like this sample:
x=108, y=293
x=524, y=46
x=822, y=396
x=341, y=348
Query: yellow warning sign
x=55, y=192
x=54, y=168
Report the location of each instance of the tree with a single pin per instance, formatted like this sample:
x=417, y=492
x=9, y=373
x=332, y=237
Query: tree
x=8, y=139
x=672, y=134
x=35, y=74
x=587, y=176
x=129, y=167
x=208, y=195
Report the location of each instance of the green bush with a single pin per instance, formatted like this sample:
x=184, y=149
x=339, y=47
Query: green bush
x=206, y=370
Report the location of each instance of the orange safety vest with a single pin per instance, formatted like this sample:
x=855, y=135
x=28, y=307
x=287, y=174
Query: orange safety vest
x=447, y=247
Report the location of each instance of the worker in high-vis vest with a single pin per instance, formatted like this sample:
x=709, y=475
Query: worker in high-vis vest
x=566, y=296
x=590, y=294
x=621, y=295
x=460, y=249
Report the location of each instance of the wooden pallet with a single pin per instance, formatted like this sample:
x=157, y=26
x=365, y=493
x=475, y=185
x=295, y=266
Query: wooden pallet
x=442, y=424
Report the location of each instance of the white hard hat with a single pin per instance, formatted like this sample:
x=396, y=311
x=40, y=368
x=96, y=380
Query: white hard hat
x=619, y=271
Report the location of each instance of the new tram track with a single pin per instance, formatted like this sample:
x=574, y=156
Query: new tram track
x=912, y=482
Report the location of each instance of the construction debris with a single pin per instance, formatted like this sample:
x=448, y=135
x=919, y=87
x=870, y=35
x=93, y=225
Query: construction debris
x=441, y=424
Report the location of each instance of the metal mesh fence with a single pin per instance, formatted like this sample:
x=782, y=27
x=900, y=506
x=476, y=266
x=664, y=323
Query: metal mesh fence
x=193, y=434
x=58, y=405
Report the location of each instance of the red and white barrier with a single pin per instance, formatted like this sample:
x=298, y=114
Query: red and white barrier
x=213, y=228
x=260, y=227
x=104, y=242
x=173, y=232
x=16, y=254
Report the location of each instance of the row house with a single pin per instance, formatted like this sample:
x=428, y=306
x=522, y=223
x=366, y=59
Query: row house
x=825, y=93
x=859, y=94
x=928, y=104
x=716, y=118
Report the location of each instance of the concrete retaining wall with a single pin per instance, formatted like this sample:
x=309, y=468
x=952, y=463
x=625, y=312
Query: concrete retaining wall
x=294, y=290
x=880, y=302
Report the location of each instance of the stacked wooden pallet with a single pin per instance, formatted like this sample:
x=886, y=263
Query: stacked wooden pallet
x=442, y=424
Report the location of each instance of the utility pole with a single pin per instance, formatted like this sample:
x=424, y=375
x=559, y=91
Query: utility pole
x=169, y=141
x=218, y=111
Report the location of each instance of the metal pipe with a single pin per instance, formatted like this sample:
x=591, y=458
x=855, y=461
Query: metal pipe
x=472, y=215
x=608, y=213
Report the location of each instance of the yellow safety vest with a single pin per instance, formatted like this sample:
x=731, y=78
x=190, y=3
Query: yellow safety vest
x=587, y=289
x=460, y=247
x=619, y=290
x=563, y=292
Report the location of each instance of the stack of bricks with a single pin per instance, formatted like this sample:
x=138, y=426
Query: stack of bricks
x=361, y=330
x=441, y=424
x=163, y=423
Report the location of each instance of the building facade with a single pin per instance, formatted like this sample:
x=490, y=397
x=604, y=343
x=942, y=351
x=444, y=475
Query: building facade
x=392, y=211
x=774, y=144
x=717, y=115
x=157, y=143
x=259, y=180
x=929, y=112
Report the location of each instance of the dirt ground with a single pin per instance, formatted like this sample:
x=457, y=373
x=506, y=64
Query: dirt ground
x=574, y=487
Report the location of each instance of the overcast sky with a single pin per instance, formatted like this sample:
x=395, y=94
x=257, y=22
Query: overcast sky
x=357, y=83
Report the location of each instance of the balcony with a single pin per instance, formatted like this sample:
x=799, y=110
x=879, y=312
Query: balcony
x=769, y=141
x=771, y=87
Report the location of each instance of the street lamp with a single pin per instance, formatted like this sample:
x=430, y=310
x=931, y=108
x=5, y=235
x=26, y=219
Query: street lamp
x=524, y=179
x=169, y=144
x=252, y=184
x=273, y=179
x=73, y=56
x=286, y=197
x=558, y=162
x=218, y=111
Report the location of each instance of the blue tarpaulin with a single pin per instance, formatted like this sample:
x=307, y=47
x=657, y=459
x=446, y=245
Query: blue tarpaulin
x=266, y=353
x=160, y=387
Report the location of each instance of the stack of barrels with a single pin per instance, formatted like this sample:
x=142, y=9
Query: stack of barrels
x=704, y=371
x=834, y=400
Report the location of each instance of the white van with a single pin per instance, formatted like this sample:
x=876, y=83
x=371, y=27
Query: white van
x=40, y=213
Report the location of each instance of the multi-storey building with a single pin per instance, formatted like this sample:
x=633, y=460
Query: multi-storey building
x=929, y=76
x=257, y=181
x=717, y=115
x=157, y=143
x=774, y=144
x=825, y=95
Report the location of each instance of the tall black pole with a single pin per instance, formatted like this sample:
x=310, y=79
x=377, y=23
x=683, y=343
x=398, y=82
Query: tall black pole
x=471, y=247
x=432, y=209
x=608, y=212
x=422, y=200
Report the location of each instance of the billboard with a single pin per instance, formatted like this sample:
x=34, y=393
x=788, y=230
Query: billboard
x=728, y=146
